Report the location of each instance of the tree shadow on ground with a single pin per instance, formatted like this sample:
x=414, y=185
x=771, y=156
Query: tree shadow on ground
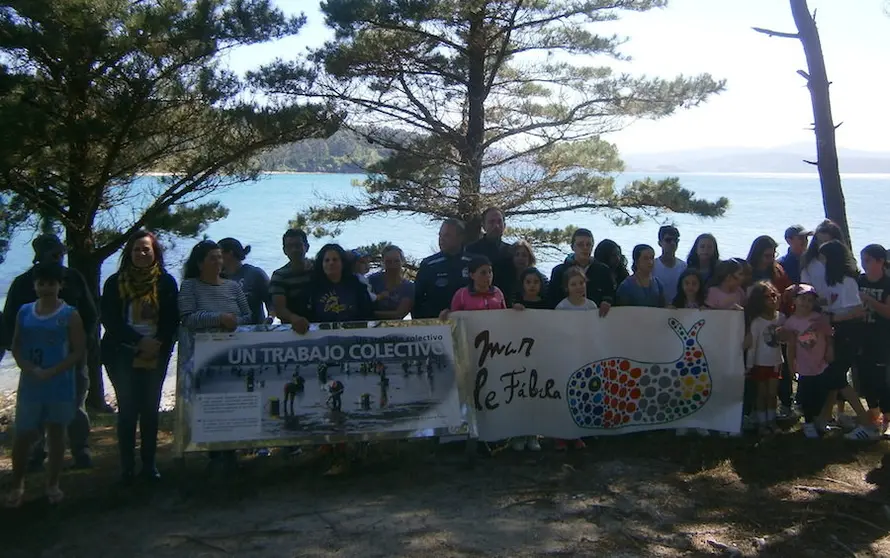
x=636, y=495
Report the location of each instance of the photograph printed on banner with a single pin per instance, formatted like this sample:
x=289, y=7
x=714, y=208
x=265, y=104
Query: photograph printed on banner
x=257, y=386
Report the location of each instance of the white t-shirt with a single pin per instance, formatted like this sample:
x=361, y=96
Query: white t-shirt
x=566, y=304
x=669, y=277
x=766, y=349
x=814, y=274
x=843, y=297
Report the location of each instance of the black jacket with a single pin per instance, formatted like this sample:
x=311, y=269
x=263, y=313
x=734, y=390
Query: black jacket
x=438, y=278
x=600, y=284
x=501, y=255
x=74, y=292
x=118, y=333
x=358, y=291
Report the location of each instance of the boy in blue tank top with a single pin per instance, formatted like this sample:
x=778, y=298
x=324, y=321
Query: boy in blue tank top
x=49, y=340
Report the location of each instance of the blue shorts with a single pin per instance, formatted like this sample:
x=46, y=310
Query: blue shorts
x=35, y=415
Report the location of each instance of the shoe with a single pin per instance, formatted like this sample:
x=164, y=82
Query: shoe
x=14, y=498
x=102, y=407
x=579, y=444
x=54, y=495
x=784, y=412
x=128, y=476
x=863, y=434
x=533, y=444
x=150, y=474
x=846, y=422
x=703, y=432
x=822, y=427
x=811, y=430
x=560, y=445
x=83, y=460
x=518, y=444
x=681, y=431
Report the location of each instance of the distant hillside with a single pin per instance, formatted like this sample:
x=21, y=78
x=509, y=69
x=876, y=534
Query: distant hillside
x=342, y=152
x=780, y=159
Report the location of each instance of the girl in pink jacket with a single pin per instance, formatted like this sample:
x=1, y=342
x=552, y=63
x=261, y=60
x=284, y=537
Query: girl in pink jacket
x=480, y=294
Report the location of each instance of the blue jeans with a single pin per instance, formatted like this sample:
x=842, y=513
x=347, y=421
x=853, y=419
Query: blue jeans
x=138, y=392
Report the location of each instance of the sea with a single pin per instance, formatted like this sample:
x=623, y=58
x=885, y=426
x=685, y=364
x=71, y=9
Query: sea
x=259, y=213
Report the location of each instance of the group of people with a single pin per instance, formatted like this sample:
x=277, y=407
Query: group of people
x=809, y=314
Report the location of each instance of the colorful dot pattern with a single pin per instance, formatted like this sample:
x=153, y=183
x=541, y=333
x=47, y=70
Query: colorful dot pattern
x=620, y=392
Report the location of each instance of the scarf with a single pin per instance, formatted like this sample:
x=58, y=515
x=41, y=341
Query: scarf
x=140, y=284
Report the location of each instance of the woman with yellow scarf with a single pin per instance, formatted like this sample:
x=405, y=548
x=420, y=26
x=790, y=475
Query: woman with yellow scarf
x=140, y=314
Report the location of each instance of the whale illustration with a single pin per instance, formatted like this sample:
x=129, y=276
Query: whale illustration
x=619, y=392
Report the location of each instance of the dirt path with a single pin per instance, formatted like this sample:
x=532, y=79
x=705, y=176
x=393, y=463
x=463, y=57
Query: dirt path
x=641, y=495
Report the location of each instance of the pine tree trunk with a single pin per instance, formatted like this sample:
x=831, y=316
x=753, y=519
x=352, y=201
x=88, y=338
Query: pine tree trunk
x=826, y=148
x=471, y=152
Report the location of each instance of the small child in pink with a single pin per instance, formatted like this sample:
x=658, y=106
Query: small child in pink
x=725, y=292
x=809, y=351
x=480, y=294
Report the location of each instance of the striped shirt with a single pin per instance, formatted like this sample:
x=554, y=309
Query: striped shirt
x=202, y=304
x=293, y=285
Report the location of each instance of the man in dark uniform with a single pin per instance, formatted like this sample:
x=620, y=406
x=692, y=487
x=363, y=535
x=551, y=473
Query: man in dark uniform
x=48, y=248
x=497, y=251
x=442, y=274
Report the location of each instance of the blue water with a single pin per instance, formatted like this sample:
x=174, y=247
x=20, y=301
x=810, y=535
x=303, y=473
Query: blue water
x=760, y=204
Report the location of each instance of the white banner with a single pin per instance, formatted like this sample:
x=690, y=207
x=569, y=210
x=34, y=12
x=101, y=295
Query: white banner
x=573, y=374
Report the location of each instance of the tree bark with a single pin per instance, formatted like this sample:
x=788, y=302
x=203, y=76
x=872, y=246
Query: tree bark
x=469, y=206
x=826, y=148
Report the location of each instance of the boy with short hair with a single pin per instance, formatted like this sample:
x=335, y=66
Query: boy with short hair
x=49, y=340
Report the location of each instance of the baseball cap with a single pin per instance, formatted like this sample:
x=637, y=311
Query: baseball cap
x=801, y=289
x=46, y=243
x=797, y=230
x=665, y=230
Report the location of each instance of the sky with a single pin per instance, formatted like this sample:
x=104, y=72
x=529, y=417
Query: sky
x=766, y=103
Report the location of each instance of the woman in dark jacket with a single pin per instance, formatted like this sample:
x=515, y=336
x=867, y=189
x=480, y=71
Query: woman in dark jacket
x=335, y=293
x=140, y=313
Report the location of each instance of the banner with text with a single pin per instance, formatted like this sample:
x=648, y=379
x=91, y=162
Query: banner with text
x=263, y=388
x=574, y=374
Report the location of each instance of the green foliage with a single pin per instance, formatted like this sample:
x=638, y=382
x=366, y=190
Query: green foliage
x=94, y=94
x=491, y=102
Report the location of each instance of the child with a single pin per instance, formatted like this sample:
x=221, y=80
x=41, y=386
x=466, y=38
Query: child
x=725, y=288
x=575, y=283
x=48, y=342
x=690, y=290
x=690, y=295
x=763, y=361
x=809, y=351
x=532, y=283
x=362, y=265
x=481, y=294
x=874, y=290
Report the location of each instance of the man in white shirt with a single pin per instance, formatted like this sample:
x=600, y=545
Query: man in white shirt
x=667, y=267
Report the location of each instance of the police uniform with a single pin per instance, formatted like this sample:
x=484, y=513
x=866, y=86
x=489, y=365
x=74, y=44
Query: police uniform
x=438, y=278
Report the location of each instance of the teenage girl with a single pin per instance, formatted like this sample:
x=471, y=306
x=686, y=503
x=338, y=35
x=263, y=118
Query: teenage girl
x=845, y=313
x=725, y=287
x=810, y=349
x=481, y=294
x=874, y=290
x=532, y=282
x=763, y=360
x=704, y=255
x=690, y=290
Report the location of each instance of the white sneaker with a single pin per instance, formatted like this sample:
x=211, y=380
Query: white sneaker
x=846, y=422
x=682, y=431
x=533, y=444
x=518, y=444
x=704, y=432
x=811, y=430
x=863, y=434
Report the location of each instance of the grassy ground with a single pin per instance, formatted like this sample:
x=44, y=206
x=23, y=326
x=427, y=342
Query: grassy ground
x=637, y=495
